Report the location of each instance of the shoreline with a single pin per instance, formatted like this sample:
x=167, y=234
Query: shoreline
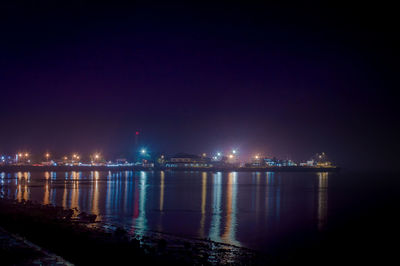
x=30, y=168
x=83, y=241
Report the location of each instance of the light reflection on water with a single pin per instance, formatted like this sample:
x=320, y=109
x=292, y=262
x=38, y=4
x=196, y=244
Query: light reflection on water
x=242, y=209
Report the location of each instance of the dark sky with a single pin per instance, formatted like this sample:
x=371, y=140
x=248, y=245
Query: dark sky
x=287, y=80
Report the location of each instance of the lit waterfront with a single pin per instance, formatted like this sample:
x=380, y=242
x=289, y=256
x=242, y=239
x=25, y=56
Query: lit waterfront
x=242, y=209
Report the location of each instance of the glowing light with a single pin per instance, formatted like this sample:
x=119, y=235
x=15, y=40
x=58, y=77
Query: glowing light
x=65, y=158
x=231, y=156
x=143, y=151
x=26, y=154
x=256, y=156
x=137, y=133
x=47, y=155
x=218, y=154
x=234, y=151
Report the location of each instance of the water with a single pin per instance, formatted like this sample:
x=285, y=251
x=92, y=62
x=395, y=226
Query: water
x=254, y=210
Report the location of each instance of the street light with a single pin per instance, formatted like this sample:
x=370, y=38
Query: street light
x=234, y=151
x=143, y=151
x=47, y=156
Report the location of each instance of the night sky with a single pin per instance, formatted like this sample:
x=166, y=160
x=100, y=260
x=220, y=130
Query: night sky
x=285, y=81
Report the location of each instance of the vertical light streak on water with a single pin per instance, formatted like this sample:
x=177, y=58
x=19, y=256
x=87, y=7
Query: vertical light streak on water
x=75, y=191
x=53, y=189
x=46, y=194
x=162, y=177
x=95, y=198
x=216, y=216
x=2, y=176
x=26, y=192
x=19, y=193
x=108, y=194
x=18, y=178
x=26, y=175
x=130, y=193
x=141, y=221
x=126, y=194
x=117, y=196
x=230, y=226
x=203, y=203
x=270, y=195
x=64, y=198
x=90, y=193
x=322, y=200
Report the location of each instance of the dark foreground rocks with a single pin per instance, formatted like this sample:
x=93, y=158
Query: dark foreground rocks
x=75, y=237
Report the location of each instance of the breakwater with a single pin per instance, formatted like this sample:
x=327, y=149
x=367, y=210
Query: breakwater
x=62, y=168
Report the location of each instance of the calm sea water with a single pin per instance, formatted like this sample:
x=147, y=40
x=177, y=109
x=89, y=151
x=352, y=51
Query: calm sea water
x=252, y=210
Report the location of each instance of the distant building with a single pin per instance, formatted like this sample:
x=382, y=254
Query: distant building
x=321, y=160
x=184, y=160
x=121, y=161
x=270, y=162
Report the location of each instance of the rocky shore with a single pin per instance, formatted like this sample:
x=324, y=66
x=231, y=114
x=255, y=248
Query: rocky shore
x=78, y=238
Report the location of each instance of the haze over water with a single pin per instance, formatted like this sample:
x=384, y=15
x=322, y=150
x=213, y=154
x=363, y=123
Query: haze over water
x=252, y=210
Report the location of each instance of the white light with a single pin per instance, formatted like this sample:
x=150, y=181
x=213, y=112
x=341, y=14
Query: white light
x=143, y=151
x=234, y=151
x=218, y=154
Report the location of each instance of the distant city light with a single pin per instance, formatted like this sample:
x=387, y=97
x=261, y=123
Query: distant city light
x=218, y=154
x=143, y=151
x=231, y=156
x=234, y=151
